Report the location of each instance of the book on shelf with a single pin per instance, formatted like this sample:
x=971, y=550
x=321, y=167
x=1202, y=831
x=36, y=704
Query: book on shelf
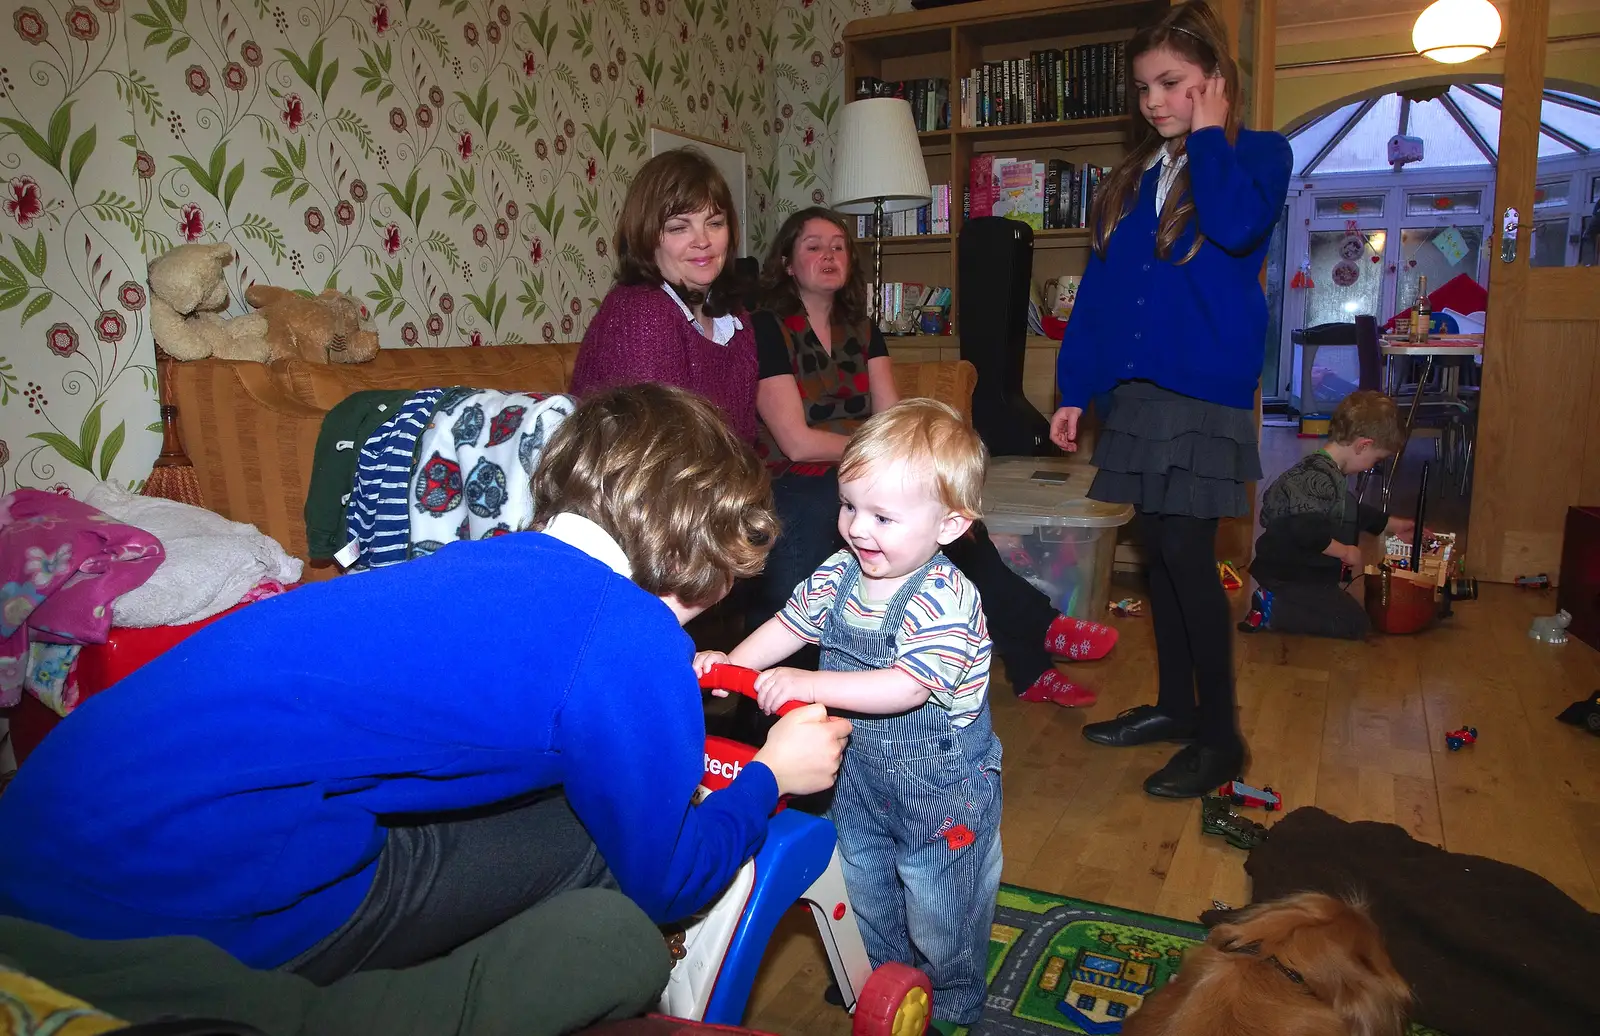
x=904, y=301
x=933, y=218
x=929, y=98
x=1048, y=195
x=1083, y=82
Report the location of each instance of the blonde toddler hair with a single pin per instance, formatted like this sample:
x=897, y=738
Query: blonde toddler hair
x=933, y=439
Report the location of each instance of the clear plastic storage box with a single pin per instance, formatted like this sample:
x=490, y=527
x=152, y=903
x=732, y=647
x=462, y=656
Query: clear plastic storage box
x=1050, y=533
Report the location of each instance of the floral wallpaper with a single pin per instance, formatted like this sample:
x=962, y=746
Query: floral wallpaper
x=808, y=91
x=455, y=164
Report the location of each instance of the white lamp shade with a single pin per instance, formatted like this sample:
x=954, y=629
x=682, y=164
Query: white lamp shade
x=877, y=156
x=1453, y=31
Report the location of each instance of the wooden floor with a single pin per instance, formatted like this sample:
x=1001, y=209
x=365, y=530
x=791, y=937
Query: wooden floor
x=1356, y=729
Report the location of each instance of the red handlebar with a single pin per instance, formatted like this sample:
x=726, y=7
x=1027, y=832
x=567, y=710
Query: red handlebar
x=739, y=680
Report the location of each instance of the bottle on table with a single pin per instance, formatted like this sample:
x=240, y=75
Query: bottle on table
x=1421, y=313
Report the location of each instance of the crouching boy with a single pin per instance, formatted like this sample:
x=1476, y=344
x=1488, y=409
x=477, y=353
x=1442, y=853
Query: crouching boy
x=1312, y=525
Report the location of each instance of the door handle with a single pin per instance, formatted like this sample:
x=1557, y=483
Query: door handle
x=1510, y=222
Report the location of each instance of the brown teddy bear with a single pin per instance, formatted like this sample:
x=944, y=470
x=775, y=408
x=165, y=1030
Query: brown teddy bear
x=325, y=329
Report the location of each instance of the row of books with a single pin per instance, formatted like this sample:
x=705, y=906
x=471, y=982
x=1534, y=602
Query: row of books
x=933, y=218
x=904, y=301
x=1084, y=82
x=1049, y=195
x=929, y=98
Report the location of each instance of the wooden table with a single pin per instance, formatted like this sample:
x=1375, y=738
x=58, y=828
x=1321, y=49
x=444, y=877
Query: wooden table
x=1446, y=347
x=1457, y=348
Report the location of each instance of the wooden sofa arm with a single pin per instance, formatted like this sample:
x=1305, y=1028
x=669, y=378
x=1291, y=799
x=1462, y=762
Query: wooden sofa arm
x=251, y=445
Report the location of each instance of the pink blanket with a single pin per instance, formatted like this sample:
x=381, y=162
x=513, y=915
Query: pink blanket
x=62, y=564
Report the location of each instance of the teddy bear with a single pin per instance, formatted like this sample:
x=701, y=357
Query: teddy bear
x=326, y=329
x=187, y=297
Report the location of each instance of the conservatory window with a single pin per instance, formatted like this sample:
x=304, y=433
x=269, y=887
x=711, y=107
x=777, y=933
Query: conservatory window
x=1443, y=203
x=1350, y=207
x=1551, y=194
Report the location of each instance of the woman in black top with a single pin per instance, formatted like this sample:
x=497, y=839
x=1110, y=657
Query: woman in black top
x=823, y=370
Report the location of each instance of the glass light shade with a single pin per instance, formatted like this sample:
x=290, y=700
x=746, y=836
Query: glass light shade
x=1452, y=31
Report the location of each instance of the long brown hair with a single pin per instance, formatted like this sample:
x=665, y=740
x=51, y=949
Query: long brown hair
x=676, y=183
x=778, y=290
x=1194, y=32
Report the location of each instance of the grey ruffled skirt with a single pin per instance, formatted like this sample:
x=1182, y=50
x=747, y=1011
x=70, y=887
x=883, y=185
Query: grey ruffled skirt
x=1171, y=454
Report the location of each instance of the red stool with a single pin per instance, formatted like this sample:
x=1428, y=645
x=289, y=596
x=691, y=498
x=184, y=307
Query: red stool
x=99, y=666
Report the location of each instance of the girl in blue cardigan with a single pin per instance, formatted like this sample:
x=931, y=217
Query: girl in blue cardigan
x=1167, y=338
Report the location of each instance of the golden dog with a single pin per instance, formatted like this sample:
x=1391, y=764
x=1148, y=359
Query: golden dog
x=1305, y=965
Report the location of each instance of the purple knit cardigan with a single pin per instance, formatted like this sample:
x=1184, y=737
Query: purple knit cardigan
x=641, y=335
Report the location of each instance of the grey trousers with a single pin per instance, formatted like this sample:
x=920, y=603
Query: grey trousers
x=442, y=881
x=576, y=959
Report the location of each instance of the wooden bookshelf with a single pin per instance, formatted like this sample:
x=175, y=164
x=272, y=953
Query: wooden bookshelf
x=947, y=43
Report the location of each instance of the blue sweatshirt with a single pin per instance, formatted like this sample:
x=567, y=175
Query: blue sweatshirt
x=1197, y=328
x=232, y=788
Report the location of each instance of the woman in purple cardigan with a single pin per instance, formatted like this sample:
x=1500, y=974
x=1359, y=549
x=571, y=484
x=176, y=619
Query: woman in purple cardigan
x=674, y=315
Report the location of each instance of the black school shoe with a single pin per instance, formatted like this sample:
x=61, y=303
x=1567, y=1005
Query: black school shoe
x=1195, y=771
x=1140, y=725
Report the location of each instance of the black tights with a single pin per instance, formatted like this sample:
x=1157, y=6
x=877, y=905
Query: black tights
x=1193, y=627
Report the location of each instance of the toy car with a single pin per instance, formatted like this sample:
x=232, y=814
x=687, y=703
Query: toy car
x=1538, y=582
x=1455, y=739
x=716, y=957
x=1218, y=818
x=1241, y=794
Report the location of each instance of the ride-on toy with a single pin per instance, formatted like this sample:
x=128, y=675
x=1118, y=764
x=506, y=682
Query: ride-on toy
x=720, y=950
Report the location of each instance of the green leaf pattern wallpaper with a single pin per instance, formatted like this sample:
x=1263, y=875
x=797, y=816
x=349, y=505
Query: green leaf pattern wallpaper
x=457, y=165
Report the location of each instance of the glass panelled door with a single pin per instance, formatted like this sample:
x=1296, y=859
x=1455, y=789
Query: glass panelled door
x=1538, y=431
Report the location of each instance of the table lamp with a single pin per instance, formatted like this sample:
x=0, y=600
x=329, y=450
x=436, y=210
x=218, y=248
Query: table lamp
x=878, y=169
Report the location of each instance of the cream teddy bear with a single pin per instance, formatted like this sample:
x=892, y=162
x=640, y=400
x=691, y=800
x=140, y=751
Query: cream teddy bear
x=187, y=297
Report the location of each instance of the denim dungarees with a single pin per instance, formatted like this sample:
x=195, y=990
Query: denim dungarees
x=917, y=808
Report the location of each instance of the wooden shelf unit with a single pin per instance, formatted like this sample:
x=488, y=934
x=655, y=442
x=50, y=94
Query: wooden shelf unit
x=947, y=43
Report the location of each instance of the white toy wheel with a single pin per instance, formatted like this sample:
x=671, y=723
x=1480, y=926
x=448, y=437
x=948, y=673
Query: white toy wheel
x=897, y=1000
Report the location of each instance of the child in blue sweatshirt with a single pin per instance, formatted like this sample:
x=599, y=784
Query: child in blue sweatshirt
x=372, y=771
x=1167, y=337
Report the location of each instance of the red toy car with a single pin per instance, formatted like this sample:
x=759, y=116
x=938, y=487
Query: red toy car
x=1242, y=794
x=1456, y=739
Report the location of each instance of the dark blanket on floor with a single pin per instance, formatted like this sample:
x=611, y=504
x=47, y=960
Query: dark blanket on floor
x=1489, y=949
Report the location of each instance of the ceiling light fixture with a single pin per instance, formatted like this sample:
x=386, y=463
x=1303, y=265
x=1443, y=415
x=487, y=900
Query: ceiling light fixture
x=1453, y=31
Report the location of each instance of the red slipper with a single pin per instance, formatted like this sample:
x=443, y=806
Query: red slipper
x=1079, y=640
x=1058, y=690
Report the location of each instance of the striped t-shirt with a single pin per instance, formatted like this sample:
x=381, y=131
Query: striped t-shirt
x=943, y=643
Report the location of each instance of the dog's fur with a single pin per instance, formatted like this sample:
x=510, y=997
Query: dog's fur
x=1233, y=984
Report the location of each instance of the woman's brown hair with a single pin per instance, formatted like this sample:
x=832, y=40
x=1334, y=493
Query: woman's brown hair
x=658, y=469
x=1194, y=32
x=676, y=183
x=778, y=290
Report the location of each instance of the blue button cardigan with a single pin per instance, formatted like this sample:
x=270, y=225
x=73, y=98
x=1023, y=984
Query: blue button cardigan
x=1196, y=328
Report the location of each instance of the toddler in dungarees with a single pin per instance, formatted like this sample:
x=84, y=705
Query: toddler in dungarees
x=905, y=654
